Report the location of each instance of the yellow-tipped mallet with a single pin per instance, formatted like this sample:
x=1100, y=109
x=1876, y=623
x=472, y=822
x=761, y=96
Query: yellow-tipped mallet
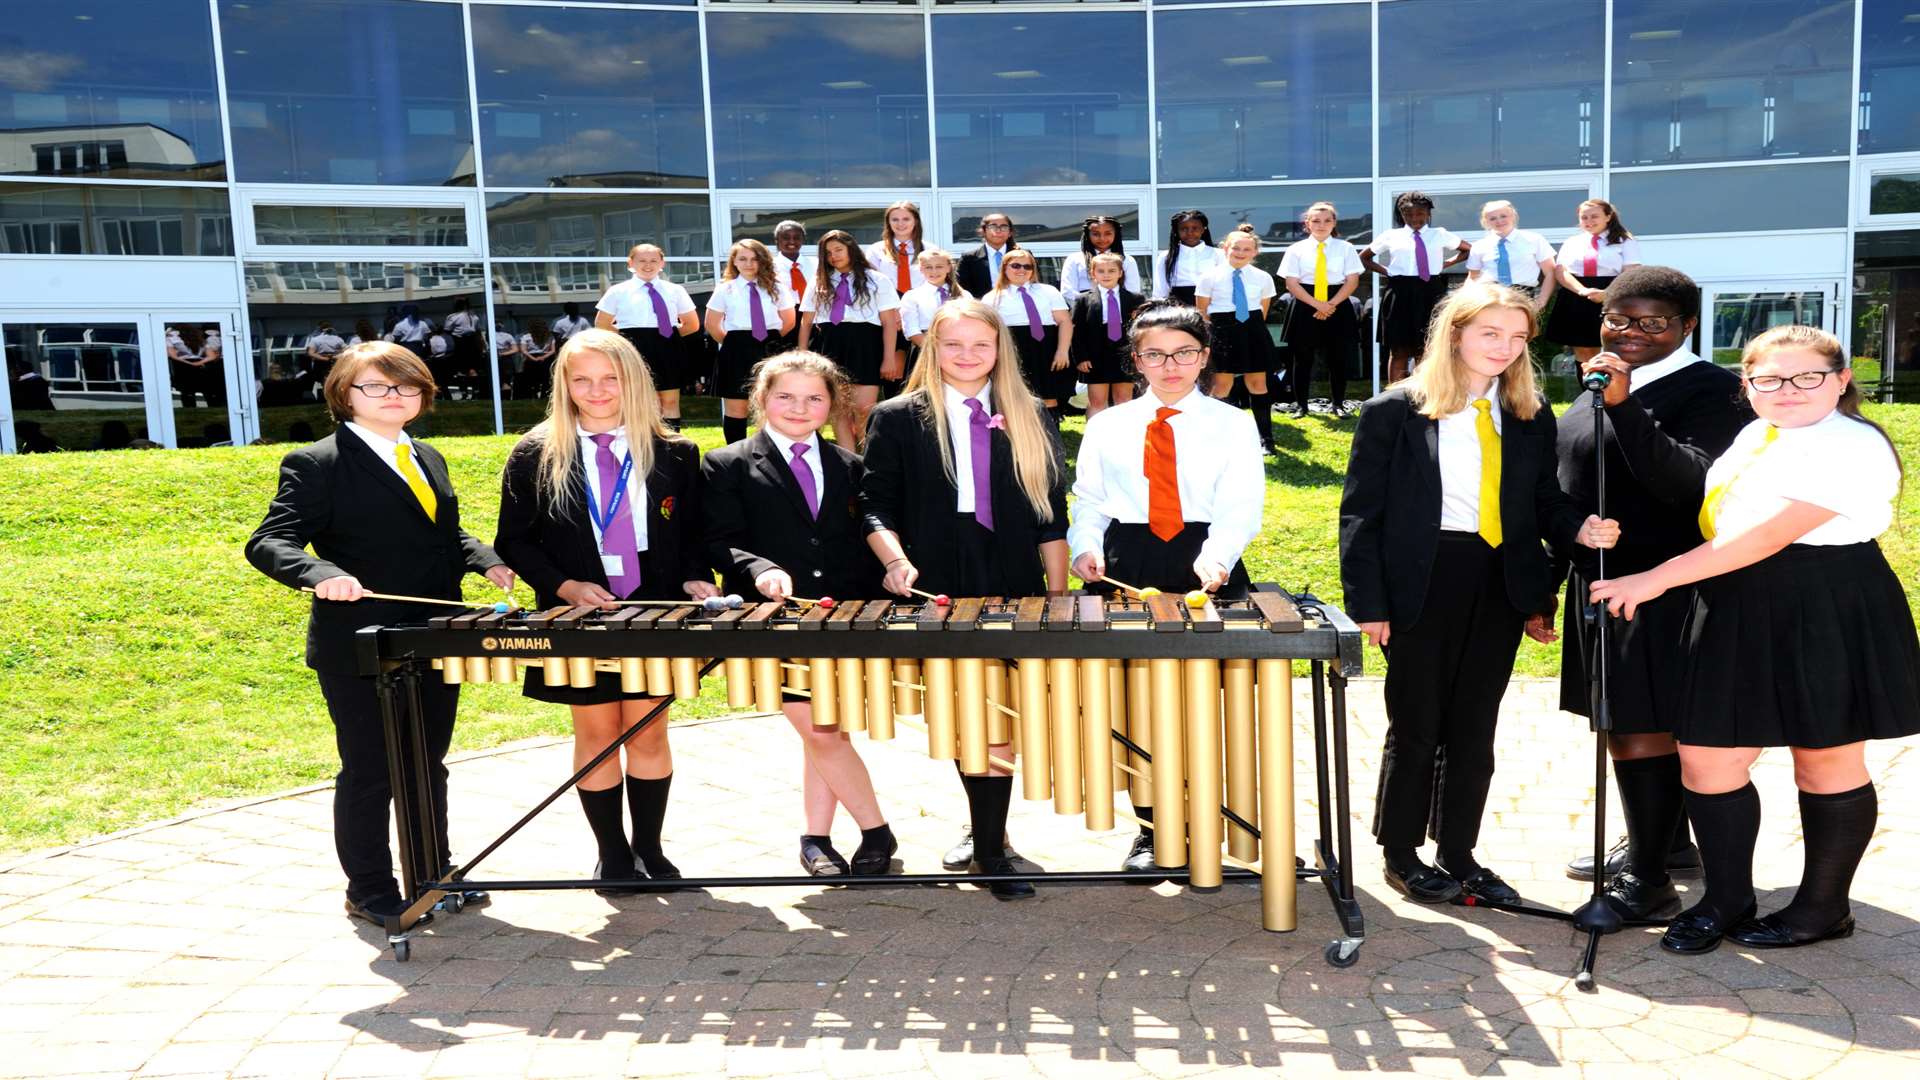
x=1197, y=599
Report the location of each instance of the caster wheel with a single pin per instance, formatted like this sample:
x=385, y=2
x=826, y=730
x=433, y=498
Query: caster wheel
x=1339, y=956
x=402, y=951
x=455, y=902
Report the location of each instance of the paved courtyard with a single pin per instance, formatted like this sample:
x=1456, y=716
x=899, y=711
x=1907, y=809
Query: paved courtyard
x=214, y=945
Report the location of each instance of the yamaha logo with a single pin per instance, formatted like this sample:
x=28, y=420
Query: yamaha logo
x=534, y=644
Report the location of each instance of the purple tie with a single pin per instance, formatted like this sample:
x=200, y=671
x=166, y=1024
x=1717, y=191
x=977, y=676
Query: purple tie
x=1420, y=257
x=943, y=294
x=662, y=321
x=1033, y=316
x=759, y=314
x=618, y=537
x=981, y=439
x=1113, y=315
x=842, y=296
x=804, y=473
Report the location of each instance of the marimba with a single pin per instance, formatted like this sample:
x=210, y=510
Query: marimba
x=1188, y=709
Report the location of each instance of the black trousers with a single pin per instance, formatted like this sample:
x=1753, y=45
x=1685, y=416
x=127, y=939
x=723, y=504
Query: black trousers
x=363, y=791
x=1332, y=341
x=1446, y=675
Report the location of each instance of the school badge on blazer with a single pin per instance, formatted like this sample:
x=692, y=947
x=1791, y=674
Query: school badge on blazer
x=666, y=508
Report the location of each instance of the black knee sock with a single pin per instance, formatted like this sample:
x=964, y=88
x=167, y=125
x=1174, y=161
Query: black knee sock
x=1728, y=824
x=988, y=798
x=877, y=839
x=1145, y=814
x=1262, y=406
x=1835, y=830
x=1651, y=799
x=1459, y=864
x=734, y=428
x=1682, y=832
x=647, y=800
x=609, y=833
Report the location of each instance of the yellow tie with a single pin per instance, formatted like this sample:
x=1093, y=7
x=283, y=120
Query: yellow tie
x=1489, y=473
x=415, y=481
x=1320, y=272
x=1710, y=506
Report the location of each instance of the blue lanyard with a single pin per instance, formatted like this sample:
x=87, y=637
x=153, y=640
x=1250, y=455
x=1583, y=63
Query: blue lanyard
x=602, y=520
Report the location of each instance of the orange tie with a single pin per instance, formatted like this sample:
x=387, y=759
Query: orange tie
x=1163, y=478
x=903, y=271
x=799, y=279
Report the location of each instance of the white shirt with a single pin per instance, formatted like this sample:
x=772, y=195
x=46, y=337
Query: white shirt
x=1013, y=310
x=1526, y=250
x=783, y=269
x=812, y=456
x=960, y=433
x=994, y=255
x=1119, y=302
x=1460, y=464
x=1194, y=263
x=636, y=497
x=632, y=308
x=461, y=323
x=383, y=448
x=410, y=331
x=918, y=306
x=1343, y=259
x=1076, y=278
x=1611, y=258
x=503, y=342
x=880, y=262
x=564, y=327
x=325, y=342
x=733, y=299
x=528, y=346
x=1647, y=374
x=880, y=297
x=1217, y=462
x=1836, y=463
x=1218, y=288
x=1394, y=249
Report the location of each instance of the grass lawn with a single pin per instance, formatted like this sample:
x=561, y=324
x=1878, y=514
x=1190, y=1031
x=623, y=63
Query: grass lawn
x=145, y=667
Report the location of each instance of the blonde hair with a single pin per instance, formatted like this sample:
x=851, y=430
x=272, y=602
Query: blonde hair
x=559, y=434
x=1245, y=231
x=1106, y=257
x=638, y=248
x=1438, y=386
x=1498, y=204
x=798, y=362
x=1034, y=465
x=1316, y=208
x=1033, y=276
x=934, y=254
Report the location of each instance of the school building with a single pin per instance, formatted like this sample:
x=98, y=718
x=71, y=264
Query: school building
x=226, y=175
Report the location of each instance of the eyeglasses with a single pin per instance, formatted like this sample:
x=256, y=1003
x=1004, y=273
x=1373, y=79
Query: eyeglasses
x=1156, y=358
x=378, y=390
x=1648, y=324
x=996, y=226
x=1805, y=380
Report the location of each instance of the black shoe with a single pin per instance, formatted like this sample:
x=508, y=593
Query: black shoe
x=1693, y=932
x=1266, y=447
x=634, y=873
x=658, y=867
x=1635, y=900
x=819, y=859
x=1484, y=884
x=1140, y=857
x=1002, y=890
x=1772, y=933
x=1424, y=884
x=1681, y=862
x=873, y=862
x=379, y=909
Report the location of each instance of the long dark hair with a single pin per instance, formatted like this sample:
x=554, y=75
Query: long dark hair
x=1616, y=229
x=1086, y=237
x=856, y=270
x=1173, y=237
x=1171, y=315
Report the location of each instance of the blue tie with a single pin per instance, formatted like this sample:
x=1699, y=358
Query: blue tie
x=996, y=265
x=1504, y=267
x=1239, y=297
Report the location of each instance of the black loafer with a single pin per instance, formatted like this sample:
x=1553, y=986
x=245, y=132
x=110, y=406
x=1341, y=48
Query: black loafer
x=1002, y=890
x=1484, y=884
x=1424, y=884
x=1637, y=900
x=1681, y=862
x=633, y=873
x=874, y=862
x=1771, y=933
x=1140, y=857
x=819, y=859
x=1694, y=931
x=379, y=909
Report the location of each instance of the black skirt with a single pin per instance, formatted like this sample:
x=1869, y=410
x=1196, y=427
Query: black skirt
x=1139, y=558
x=1339, y=331
x=1406, y=309
x=666, y=357
x=1240, y=347
x=975, y=572
x=1036, y=362
x=1183, y=293
x=738, y=353
x=856, y=346
x=1109, y=361
x=1575, y=320
x=1646, y=664
x=606, y=688
x=1812, y=647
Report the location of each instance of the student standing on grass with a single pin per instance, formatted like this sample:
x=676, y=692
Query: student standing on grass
x=1037, y=316
x=654, y=315
x=851, y=316
x=1099, y=235
x=980, y=268
x=1589, y=261
x=1235, y=299
x=918, y=306
x=1322, y=273
x=1100, y=349
x=1188, y=258
x=378, y=510
x=1410, y=259
x=1510, y=255
x=748, y=315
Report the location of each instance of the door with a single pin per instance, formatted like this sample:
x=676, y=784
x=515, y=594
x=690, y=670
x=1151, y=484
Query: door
x=1732, y=313
x=209, y=394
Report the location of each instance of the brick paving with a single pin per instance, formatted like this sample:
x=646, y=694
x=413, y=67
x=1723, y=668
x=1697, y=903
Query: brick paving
x=214, y=946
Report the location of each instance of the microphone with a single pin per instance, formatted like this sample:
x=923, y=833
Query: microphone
x=1596, y=380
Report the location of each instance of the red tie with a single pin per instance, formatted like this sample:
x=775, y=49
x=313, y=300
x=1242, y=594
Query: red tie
x=799, y=279
x=1593, y=261
x=903, y=272
x=1163, y=478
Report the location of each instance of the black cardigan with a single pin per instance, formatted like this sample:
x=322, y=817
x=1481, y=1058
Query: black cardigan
x=757, y=520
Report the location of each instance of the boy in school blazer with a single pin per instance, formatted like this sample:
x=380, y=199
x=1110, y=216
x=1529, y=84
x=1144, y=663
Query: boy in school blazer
x=978, y=269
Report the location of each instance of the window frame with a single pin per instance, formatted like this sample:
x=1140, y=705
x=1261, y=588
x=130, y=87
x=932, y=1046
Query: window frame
x=1879, y=164
x=467, y=199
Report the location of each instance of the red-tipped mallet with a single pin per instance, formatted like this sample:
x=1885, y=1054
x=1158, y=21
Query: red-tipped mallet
x=940, y=599
x=824, y=602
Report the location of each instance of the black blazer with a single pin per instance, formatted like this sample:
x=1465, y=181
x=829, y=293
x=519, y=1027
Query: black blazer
x=1090, y=323
x=549, y=549
x=757, y=520
x=975, y=271
x=363, y=520
x=1390, y=511
x=906, y=490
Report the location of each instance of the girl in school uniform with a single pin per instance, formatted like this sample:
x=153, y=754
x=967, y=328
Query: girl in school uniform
x=654, y=315
x=1178, y=271
x=917, y=307
x=782, y=518
x=1589, y=261
x=965, y=493
x=379, y=511
x=1450, y=491
x=1099, y=235
x=1321, y=272
x=1800, y=636
x=747, y=315
x=851, y=316
x=1168, y=490
x=1510, y=255
x=1101, y=348
x=537, y=347
x=1038, y=318
x=792, y=268
x=1235, y=299
x=895, y=255
x=1410, y=259
x=601, y=503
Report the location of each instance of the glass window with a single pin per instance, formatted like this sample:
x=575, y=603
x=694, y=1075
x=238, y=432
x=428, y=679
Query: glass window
x=360, y=226
x=1033, y=98
x=121, y=88
x=1274, y=211
x=347, y=92
x=1894, y=193
x=88, y=219
x=1292, y=102
x=1889, y=75
x=1554, y=208
x=1046, y=222
x=1713, y=80
x=1460, y=106
x=1886, y=314
x=77, y=386
x=586, y=97
x=864, y=222
x=853, y=113
x=597, y=226
x=1750, y=199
